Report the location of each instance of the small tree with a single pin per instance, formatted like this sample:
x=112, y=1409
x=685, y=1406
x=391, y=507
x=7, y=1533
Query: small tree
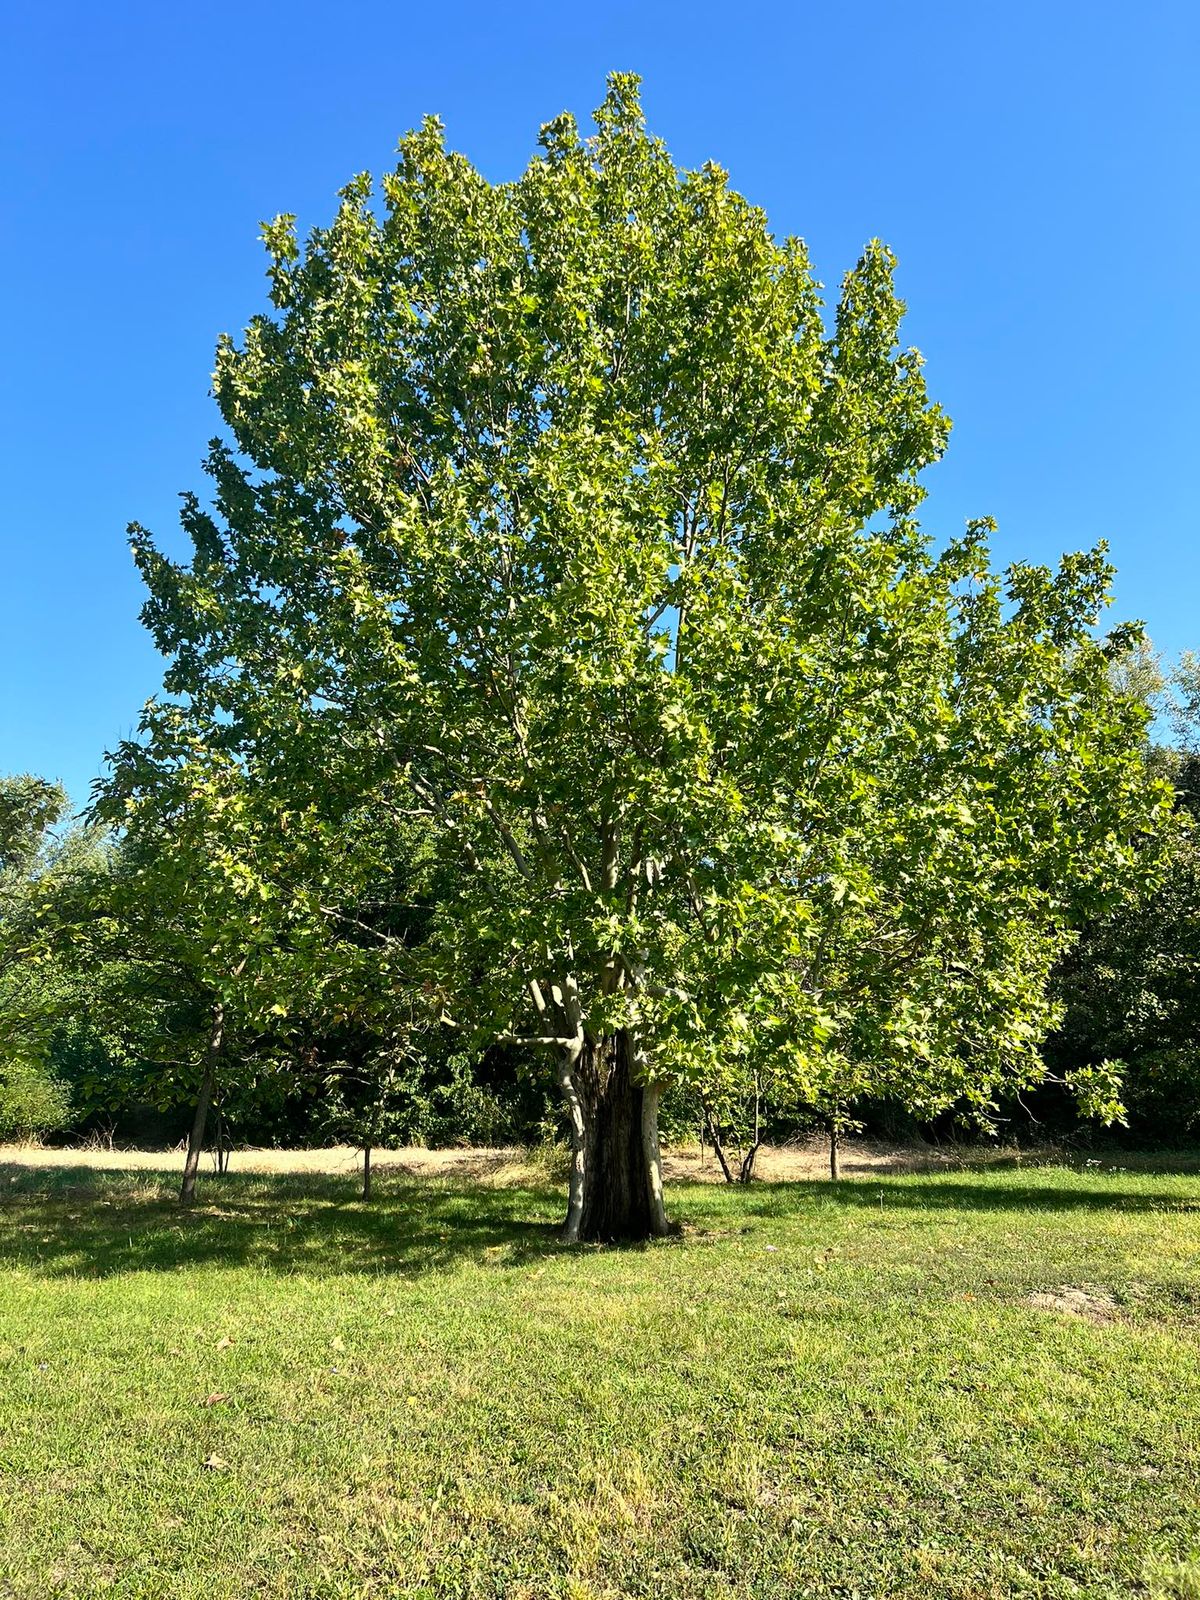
x=369, y=1105
x=210, y=945
x=246, y=928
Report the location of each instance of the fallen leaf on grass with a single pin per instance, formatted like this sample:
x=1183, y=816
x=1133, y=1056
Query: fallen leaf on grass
x=216, y=1464
x=214, y=1399
x=224, y=1344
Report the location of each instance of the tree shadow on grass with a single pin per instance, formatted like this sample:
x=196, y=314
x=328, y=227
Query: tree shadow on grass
x=883, y=1193
x=75, y=1222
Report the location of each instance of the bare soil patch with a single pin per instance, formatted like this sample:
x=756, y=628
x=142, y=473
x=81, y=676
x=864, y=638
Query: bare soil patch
x=1095, y=1305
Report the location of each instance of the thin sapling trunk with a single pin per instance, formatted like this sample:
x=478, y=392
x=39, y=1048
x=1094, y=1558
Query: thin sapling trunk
x=222, y=1146
x=747, y=1171
x=191, y=1165
x=714, y=1138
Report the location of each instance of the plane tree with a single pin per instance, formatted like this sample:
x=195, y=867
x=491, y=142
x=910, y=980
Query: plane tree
x=554, y=519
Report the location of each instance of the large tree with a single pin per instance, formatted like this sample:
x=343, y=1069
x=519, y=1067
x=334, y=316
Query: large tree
x=556, y=519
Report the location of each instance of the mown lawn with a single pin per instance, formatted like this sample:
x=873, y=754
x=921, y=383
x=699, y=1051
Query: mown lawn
x=812, y=1392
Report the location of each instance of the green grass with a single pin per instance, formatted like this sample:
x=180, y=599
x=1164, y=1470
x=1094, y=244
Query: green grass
x=812, y=1392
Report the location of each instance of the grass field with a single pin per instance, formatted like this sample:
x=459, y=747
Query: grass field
x=877, y=1390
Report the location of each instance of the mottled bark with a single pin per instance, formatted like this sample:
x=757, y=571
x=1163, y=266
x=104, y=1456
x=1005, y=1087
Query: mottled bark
x=616, y=1170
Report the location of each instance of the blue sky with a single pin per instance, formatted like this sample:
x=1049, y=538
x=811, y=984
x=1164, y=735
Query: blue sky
x=1033, y=165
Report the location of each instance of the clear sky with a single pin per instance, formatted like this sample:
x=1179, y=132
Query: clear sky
x=1034, y=165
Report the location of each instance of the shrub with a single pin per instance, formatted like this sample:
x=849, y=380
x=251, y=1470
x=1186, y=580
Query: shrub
x=32, y=1101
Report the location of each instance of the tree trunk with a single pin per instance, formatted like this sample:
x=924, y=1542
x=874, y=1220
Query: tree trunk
x=834, y=1169
x=616, y=1169
x=652, y=1154
x=191, y=1165
x=221, y=1161
x=747, y=1171
x=366, y=1172
x=714, y=1138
